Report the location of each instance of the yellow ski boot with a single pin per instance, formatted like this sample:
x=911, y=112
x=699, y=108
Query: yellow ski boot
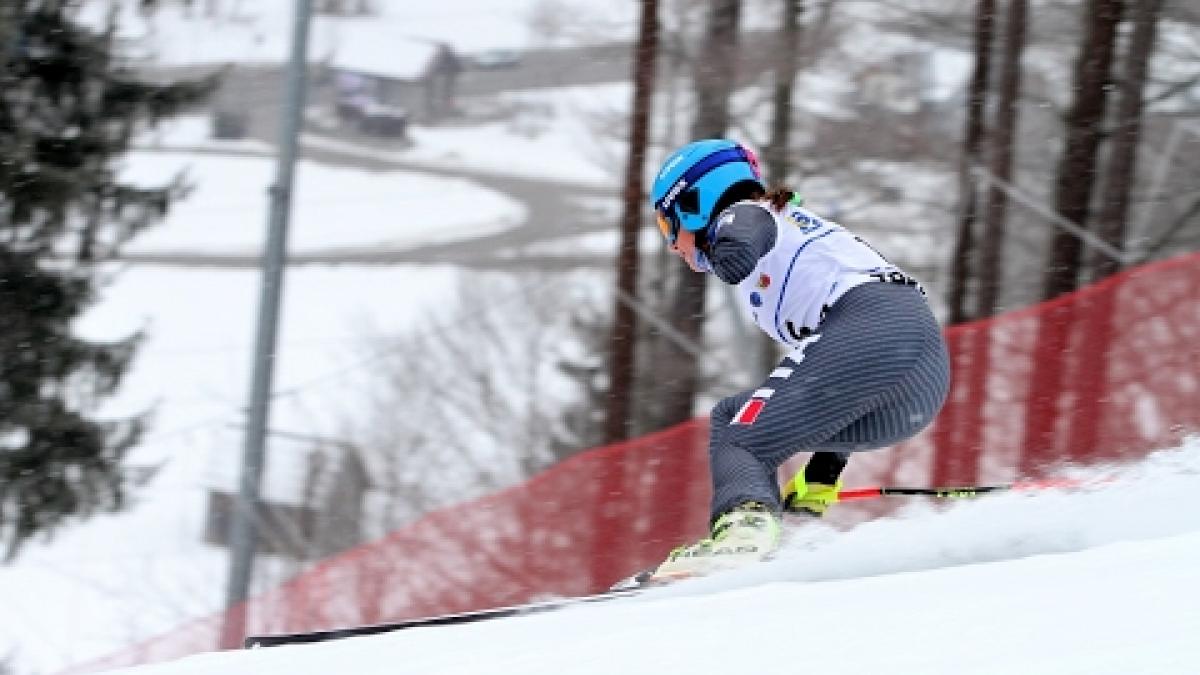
x=810, y=499
x=747, y=533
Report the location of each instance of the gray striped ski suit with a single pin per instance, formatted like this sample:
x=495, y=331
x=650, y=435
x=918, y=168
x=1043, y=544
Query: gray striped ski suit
x=868, y=365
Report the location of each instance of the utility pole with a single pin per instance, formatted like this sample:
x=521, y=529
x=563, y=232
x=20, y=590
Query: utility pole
x=243, y=534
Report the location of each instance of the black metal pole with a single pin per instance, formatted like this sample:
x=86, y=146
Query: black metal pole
x=243, y=534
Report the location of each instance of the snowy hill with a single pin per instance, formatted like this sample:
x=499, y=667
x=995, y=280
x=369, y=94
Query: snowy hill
x=1095, y=581
x=1024, y=572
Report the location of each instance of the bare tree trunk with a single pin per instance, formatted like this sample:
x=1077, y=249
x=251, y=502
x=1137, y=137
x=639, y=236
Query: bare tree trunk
x=955, y=423
x=1085, y=119
x=608, y=539
x=621, y=348
x=1092, y=358
x=715, y=69
x=1122, y=160
x=785, y=64
x=1076, y=177
x=991, y=246
x=964, y=245
x=958, y=430
x=714, y=78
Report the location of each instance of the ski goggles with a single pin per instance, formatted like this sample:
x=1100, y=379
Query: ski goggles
x=681, y=195
x=668, y=225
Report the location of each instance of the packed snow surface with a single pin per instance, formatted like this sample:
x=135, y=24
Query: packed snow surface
x=1091, y=581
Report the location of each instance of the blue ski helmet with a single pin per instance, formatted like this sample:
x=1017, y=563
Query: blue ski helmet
x=692, y=180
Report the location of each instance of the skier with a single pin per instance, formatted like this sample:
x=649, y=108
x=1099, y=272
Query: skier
x=867, y=365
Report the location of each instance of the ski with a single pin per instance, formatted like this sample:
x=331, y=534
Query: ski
x=257, y=641
x=632, y=585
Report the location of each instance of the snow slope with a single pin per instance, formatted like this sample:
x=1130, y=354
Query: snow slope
x=121, y=578
x=334, y=209
x=96, y=588
x=126, y=577
x=1098, y=581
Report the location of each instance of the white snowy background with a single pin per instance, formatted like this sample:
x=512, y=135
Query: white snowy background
x=118, y=579
x=1099, y=582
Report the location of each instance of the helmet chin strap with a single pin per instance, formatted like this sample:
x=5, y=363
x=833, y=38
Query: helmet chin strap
x=701, y=261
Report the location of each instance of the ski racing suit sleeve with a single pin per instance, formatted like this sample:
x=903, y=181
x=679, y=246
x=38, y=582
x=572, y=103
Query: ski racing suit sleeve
x=743, y=233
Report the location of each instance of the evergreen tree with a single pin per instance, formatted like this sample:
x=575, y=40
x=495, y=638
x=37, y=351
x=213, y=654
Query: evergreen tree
x=69, y=109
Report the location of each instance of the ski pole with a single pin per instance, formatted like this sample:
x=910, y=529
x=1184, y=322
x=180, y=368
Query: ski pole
x=964, y=492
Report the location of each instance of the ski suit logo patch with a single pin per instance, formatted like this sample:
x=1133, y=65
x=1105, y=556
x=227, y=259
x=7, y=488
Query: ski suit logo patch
x=753, y=408
x=807, y=222
x=750, y=411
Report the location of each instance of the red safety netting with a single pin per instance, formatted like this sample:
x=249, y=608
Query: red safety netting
x=1108, y=373
x=1102, y=374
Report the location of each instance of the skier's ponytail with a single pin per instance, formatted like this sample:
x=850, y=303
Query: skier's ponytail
x=779, y=196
